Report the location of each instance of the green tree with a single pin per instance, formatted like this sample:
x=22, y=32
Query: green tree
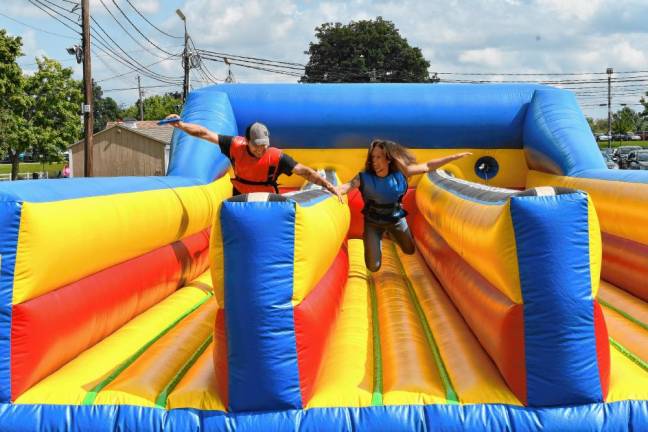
x=644, y=114
x=624, y=120
x=16, y=134
x=155, y=107
x=364, y=51
x=105, y=108
x=55, y=112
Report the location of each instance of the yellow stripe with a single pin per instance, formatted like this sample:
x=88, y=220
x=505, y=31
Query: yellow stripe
x=142, y=382
x=320, y=230
x=628, y=381
x=595, y=247
x=71, y=383
x=470, y=229
x=198, y=388
x=346, y=373
x=216, y=261
x=409, y=373
x=348, y=162
x=472, y=373
x=622, y=207
x=63, y=241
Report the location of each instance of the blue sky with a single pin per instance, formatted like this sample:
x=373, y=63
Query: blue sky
x=457, y=37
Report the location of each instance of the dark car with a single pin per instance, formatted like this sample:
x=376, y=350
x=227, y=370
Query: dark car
x=638, y=160
x=622, y=154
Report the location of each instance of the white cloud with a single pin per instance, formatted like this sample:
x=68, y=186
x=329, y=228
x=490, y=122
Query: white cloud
x=492, y=36
x=486, y=56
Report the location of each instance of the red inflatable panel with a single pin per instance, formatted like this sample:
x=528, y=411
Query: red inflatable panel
x=220, y=356
x=625, y=264
x=494, y=319
x=314, y=317
x=602, y=348
x=50, y=330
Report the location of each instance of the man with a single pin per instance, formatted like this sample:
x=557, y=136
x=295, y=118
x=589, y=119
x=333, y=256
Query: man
x=256, y=165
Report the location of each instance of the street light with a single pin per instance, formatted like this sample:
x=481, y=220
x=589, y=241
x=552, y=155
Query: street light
x=185, y=56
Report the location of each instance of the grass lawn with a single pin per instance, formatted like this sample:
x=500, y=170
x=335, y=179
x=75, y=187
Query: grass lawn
x=30, y=167
x=604, y=144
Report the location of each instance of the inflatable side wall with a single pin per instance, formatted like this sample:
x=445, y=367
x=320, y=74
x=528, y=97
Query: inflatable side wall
x=81, y=257
x=280, y=266
x=531, y=301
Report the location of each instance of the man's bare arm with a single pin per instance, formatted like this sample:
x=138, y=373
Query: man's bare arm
x=195, y=130
x=310, y=175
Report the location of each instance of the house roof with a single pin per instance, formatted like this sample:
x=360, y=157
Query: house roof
x=150, y=129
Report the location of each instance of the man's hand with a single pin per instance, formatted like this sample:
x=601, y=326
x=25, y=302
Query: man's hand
x=174, y=124
x=335, y=191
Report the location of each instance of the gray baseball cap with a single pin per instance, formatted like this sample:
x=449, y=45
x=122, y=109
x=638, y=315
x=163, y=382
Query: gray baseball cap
x=259, y=134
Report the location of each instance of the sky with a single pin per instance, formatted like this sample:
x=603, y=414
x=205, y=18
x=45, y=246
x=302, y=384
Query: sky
x=458, y=38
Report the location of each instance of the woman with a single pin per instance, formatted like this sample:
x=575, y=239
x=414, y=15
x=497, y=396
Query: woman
x=383, y=183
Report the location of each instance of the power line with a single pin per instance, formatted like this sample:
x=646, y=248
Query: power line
x=40, y=2
x=53, y=16
x=136, y=28
x=59, y=6
x=36, y=28
x=133, y=71
x=117, y=57
x=152, y=25
x=128, y=33
x=139, y=66
x=135, y=88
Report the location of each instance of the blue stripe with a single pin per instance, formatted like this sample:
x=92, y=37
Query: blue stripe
x=258, y=249
x=552, y=238
x=618, y=416
x=10, y=213
x=64, y=189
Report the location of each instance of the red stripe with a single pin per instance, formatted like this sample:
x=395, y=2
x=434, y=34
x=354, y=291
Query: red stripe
x=50, y=330
x=494, y=319
x=220, y=356
x=314, y=317
x=625, y=264
x=602, y=348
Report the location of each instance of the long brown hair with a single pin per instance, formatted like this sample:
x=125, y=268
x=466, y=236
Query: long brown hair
x=397, y=155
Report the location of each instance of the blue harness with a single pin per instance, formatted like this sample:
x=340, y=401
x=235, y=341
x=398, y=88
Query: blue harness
x=382, y=196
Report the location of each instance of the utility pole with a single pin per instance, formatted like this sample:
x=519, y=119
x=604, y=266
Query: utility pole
x=609, y=74
x=88, y=113
x=141, y=98
x=185, y=57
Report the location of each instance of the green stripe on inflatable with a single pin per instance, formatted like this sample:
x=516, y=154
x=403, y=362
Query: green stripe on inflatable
x=92, y=394
x=377, y=397
x=630, y=355
x=624, y=314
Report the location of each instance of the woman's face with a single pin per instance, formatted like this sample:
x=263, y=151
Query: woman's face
x=379, y=161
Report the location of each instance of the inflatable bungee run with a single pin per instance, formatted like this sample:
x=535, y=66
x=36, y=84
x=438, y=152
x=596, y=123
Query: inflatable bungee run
x=163, y=303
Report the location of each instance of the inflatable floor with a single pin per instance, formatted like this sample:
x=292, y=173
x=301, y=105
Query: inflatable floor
x=163, y=303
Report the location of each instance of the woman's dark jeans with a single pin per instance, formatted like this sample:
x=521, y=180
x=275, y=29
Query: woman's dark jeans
x=373, y=232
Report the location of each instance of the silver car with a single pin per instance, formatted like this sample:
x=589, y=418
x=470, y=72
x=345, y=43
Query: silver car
x=638, y=160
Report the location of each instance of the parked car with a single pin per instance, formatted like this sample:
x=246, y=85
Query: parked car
x=638, y=160
x=622, y=153
x=603, y=137
x=619, y=137
x=610, y=159
x=634, y=137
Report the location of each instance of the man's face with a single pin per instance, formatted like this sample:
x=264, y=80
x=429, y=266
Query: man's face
x=257, y=150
